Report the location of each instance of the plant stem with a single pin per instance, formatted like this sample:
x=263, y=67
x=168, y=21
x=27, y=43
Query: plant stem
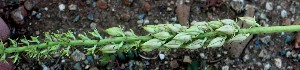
x=272, y=29
x=254, y=30
x=76, y=43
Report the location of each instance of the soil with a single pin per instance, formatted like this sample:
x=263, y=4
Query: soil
x=46, y=16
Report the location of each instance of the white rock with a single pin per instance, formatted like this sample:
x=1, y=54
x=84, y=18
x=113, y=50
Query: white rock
x=45, y=67
x=267, y=66
x=278, y=7
x=72, y=7
x=278, y=62
x=219, y=55
x=225, y=67
x=288, y=54
x=262, y=16
x=46, y=8
x=246, y=57
x=61, y=7
x=187, y=59
x=161, y=56
x=269, y=6
x=298, y=56
x=202, y=55
x=283, y=13
x=140, y=21
x=146, y=21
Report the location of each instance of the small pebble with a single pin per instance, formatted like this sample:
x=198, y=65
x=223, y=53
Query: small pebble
x=161, y=56
x=147, y=63
x=141, y=16
x=298, y=56
x=283, y=53
x=39, y=15
x=266, y=39
x=237, y=5
x=278, y=62
x=45, y=67
x=288, y=39
x=267, y=66
x=202, y=55
x=283, y=13
x=156, y=21
x=288, y=54
x=72, y=7
x=140, y=21
x=61, y=7
x=262, y=53
x=174, y=19
x=33, y=13
x=257, y=43
x=225, y=67
x=76, y=18
x=102, y=4
x=246, y=57
x=46, y=8
x=93, y=25
x=174, y=64
x=187, y=59
x=169, y=9
x=263, y=16
x=127, y=2
x=269, y=6
x=78, y=56
x=87, y=67
x=77, y=66
x=147, y=7
x=90, y=16
x=29, y=4
x=146, y=21
x=219, y=55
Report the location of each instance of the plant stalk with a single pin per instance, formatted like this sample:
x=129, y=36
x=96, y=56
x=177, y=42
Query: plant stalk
x=254, y=30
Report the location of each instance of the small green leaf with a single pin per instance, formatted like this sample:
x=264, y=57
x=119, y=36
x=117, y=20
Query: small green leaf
x=115, y=31
x=217, y=42
x=34, y=39
x=162, y=35
x=183, y=37
x=215, y=24
x=96, y=34
x=83, y=37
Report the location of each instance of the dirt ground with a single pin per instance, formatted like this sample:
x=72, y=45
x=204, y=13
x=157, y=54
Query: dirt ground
x=264, y=51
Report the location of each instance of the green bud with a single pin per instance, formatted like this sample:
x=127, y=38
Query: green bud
x=152, y=44
x=115, y=31
x=228, y=22
x=239, y=38
x=196, y=44
x=173, y=44
x=162, y=35
x=109, y=48
x=162, y=27
x=228, y=29
x=194, y=30
x=174, y=27
x=183, y=37
x=215, y=24
x=129, y=33
x=195, y=23
x=217, y=42
x=201, y=25
x=151, y=29
x=249, y=21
